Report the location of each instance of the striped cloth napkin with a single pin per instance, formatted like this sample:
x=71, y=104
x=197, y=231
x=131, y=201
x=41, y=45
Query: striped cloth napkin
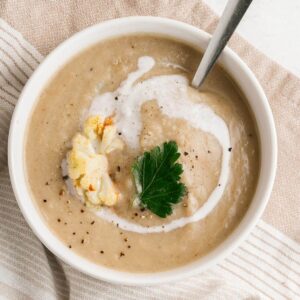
x=265, y=266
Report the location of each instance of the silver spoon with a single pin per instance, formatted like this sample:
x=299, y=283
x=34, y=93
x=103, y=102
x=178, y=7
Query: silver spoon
x=232, y=15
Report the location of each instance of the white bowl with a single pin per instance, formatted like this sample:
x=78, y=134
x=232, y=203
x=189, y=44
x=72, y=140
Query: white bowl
x=170, y=28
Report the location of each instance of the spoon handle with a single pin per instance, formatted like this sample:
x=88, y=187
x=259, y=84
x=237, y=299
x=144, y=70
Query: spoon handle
x=233, y=13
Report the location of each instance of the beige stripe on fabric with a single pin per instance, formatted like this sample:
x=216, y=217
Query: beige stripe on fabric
x=12, y=294
x=266, y=266
x=8, y=46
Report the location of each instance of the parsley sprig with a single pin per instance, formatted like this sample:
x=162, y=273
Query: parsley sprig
x=157, y=178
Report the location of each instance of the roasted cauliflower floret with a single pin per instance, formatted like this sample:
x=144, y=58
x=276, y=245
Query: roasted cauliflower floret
x=88, y=164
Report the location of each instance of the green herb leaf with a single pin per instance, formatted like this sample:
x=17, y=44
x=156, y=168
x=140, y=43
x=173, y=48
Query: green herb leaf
x=157, y=179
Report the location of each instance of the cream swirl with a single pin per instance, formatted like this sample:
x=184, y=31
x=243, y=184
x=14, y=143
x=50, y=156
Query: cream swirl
x=170, y=92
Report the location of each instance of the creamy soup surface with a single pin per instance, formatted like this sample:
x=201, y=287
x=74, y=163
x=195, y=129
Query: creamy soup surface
x=220, y=178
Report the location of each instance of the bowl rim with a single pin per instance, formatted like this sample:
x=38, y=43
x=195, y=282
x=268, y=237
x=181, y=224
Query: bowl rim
x=48, y=238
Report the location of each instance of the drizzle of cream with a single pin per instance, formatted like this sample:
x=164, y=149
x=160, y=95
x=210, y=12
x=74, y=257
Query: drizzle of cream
x=170, y=91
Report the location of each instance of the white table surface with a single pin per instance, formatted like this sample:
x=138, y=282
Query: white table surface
x=272, y=26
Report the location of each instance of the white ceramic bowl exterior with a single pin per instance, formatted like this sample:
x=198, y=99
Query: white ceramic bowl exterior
x=170, y=28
